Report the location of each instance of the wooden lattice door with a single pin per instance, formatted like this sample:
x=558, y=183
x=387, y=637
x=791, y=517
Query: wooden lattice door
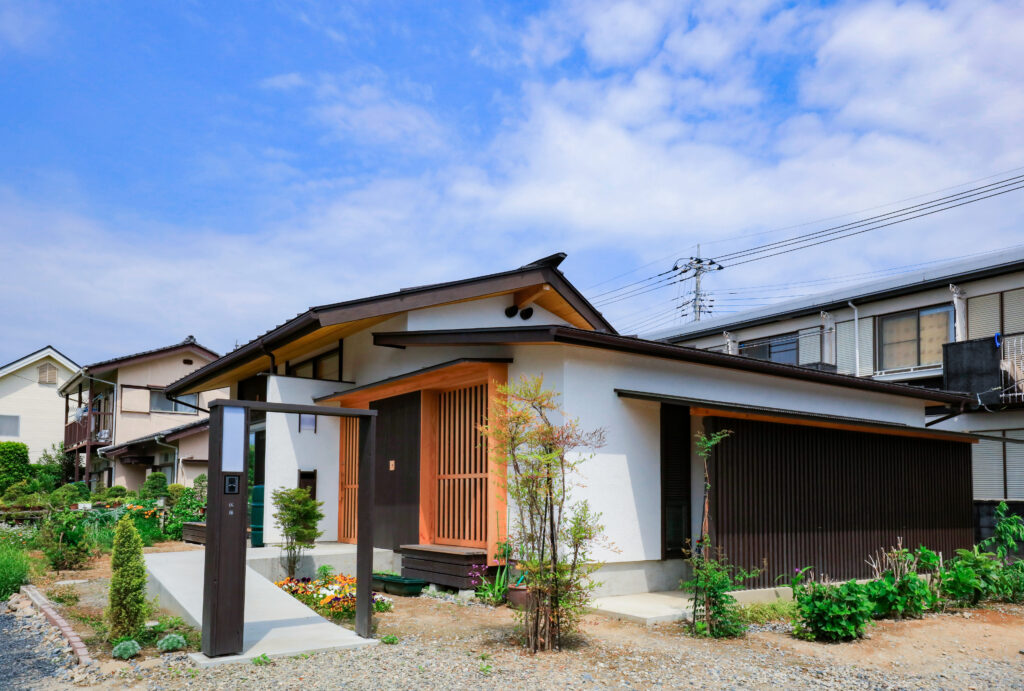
x=348, y=480
x=462, y=468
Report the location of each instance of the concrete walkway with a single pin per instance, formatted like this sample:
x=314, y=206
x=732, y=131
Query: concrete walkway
x=645, y=608
x=276, y=624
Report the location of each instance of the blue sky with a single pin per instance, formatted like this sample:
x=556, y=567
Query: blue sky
x=213, y=168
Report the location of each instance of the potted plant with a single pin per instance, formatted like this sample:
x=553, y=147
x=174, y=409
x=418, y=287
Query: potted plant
x=393, y=584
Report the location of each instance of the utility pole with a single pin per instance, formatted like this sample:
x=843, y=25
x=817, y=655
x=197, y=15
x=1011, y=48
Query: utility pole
x=699, y=267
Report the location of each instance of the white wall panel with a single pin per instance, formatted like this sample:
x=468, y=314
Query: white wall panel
x=987, y=469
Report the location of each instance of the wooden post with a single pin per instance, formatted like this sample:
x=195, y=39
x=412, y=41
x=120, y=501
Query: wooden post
x=428, y=466
x=224, y=576
x=497, y=499
x=364, y=528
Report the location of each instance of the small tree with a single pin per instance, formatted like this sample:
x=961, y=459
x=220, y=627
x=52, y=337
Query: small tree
x=297, y=516
x=155, y=486
x=127, y=611
x=551, y=537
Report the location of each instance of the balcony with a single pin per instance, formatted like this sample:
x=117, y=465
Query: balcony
x=92, y=428
x=990, y=368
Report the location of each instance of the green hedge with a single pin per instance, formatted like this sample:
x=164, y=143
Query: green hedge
x=14, y=464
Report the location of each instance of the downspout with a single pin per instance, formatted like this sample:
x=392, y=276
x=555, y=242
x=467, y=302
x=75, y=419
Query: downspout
x=174, y=465
x=856, y=338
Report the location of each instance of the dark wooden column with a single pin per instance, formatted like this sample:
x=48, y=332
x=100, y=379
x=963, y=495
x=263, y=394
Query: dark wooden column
x=224, y=578
x=364, y=528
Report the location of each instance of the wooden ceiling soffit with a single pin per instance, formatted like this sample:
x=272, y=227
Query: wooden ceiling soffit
x=830, y=424
x=444, y=378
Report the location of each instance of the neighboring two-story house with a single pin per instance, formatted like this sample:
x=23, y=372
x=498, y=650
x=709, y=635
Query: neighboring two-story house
x=119, y=424
x=957, y=326
x=29, y=405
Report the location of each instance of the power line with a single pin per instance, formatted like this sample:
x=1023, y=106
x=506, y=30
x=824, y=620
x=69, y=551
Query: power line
x=807, y=223
x=912, y=211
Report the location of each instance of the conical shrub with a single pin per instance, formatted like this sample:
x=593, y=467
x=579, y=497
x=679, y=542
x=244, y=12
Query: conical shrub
x=126, y=613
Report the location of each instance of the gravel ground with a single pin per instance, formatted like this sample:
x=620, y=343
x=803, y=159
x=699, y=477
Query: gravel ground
x=447, y=645
x=33, y=655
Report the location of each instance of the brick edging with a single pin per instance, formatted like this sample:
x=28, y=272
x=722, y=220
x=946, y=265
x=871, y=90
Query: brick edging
x=42, y=604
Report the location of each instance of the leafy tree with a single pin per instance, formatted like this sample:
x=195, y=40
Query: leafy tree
x=127, y=609
x=14, y=464
x=297, y=516
x=552, y=538
x=53, y=468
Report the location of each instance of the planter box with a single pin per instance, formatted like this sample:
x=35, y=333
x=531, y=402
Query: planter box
x=398, y=585
x=193, y=532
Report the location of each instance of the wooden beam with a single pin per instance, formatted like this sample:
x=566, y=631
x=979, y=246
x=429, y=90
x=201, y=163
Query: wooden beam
x=429, y=420
x=497, y=492
x=525, y=297
x=826, y=424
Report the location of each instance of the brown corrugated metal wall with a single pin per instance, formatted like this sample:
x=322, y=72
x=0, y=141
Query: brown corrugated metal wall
x=788, y=496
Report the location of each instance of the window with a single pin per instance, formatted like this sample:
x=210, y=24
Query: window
x=307, y=423
x=47, y=373
x=323, y=366
x=159, y=403
x=912, y=339
x=10, y=425
x=782, y=348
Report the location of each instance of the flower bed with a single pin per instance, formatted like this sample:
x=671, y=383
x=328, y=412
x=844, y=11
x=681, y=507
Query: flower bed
x=333, y=597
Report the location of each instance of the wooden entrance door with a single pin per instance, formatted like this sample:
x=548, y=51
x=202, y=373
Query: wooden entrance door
x=462, y=477
x=397, y=463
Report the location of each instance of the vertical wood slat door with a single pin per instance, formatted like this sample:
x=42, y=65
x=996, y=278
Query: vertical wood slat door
x=462, y=468
x=348, y=480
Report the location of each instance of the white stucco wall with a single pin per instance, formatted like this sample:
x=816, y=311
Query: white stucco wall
x=289, y=451
x=622, y=480
x=477, y=314
x=39, y=409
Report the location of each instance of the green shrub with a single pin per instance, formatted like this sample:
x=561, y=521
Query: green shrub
x=82, y=489
x=187, y=508
x=389, y=639
x=64, y=496
x=127, y=606
x=171, y=642
x=14, y=568
x=830, y=612
x=715, y=612
x=1011, y=585
x=126, y=650
x=65, y=540
x=894, y=599
x=972, y=576
x=154, y=487
x=297, y=516
x=14, y=463
x=1009, y=531
x=200, y=488
x=116, y=492
x=19, y=489
x=174, y=493
x=764, y=612
x=50, y=470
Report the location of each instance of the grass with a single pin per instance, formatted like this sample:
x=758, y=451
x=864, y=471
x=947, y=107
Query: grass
x=389, y=639
x=14, y=569
x=63, y=594
x=764, y=612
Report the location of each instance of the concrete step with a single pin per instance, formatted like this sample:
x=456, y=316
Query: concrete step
x=645, y=608
x=276, y=624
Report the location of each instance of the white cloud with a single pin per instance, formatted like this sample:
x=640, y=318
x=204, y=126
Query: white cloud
x=290, y=80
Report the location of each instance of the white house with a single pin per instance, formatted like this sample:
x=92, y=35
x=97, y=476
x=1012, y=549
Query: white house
x=823, y=468
x=30, y=409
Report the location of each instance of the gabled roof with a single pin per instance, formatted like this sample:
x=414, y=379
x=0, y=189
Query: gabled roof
x=639, y=346
x=168, y=434
x=320, y=326
x=988, y=264
x=189, y=344
x=44, y=352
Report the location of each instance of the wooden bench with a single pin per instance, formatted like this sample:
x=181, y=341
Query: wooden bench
x=442, y=564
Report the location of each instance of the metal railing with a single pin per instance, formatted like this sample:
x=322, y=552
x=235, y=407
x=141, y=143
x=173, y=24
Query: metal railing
x=1011, y=362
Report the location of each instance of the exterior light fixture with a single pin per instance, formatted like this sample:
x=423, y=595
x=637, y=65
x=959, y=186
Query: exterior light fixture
x=526, y=313
x=511, y=311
